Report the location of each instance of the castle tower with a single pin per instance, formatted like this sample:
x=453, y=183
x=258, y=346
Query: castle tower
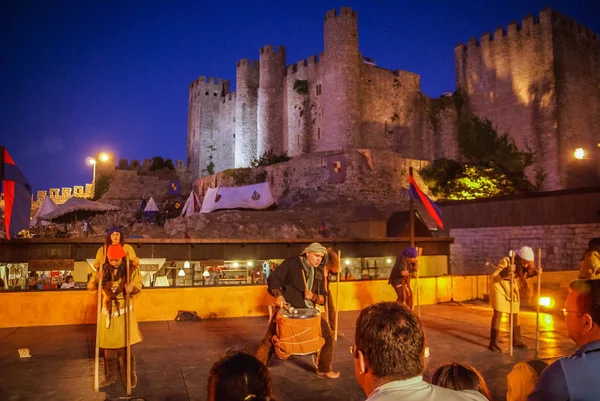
x=341, y=105
x=538, y=82
x=205, y=97
x=247, y=79
x=270, y=101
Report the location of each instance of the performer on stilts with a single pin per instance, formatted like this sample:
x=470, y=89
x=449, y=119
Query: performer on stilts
x=523, y=269
x=113, y=318
x=406, y=264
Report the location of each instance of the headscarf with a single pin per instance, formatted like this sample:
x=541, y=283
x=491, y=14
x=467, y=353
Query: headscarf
x=410, y=252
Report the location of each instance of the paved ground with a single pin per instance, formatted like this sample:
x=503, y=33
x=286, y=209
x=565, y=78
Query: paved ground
x=175, y=358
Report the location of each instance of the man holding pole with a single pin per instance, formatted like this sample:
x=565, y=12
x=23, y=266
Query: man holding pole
x=508, y=282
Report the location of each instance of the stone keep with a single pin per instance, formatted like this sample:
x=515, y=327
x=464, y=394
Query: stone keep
x=539, y=81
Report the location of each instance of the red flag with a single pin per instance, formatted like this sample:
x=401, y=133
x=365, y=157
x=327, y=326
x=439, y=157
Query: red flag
x=17, y=195
x=415, y=192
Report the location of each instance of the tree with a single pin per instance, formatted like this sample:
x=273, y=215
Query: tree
x=492, y=165
x=158, y=163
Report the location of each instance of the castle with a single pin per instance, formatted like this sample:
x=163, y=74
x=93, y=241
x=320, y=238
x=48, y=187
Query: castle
x=539, y=81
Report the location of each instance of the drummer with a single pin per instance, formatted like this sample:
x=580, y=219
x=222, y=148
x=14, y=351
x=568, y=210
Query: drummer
x=287, y=285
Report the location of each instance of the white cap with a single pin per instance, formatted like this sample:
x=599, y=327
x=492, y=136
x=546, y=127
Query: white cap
x=526, y=253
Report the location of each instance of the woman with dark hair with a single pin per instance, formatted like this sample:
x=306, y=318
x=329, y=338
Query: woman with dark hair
x=113, y=257
x=589, y=268
x=458, y=377
x=115, y=236
x=239, y=376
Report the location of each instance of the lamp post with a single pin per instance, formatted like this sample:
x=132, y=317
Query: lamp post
x=579, y=153
x=102, y=157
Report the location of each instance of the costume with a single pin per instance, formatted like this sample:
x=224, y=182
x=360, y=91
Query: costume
x=500, y=294
x=589, y=268
x=571, y=378
x=406, y=263
x=287, y=281
x=114, y=312
x=416, y=389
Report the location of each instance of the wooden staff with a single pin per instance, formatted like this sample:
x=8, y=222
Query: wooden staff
x=537, y=314
x=98, y=316
x=419, y=252
x=337, y=295
x=127, y=328
x=511, y=320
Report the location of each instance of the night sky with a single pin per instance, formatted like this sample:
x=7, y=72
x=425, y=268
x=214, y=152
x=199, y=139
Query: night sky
x=78, y=77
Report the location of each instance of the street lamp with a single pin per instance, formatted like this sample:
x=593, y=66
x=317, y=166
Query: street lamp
x=579, y=153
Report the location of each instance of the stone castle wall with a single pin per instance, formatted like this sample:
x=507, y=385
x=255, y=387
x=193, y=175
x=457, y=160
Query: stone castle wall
x=305, y=179
x=536, y=80
x=562, y=246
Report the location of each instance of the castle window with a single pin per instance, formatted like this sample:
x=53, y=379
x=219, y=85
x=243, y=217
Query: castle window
x=318, y=133
x=298, y=139
x=206, y=93
x=318, y=89
x=215, y=94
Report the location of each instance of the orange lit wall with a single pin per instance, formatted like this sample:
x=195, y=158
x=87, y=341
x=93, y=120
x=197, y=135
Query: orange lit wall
x=44, y=308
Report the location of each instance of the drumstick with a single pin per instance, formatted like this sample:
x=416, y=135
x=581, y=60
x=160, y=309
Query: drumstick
x=304, y=279
x=128, y=328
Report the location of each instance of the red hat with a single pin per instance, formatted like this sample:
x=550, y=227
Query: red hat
x=115, y=252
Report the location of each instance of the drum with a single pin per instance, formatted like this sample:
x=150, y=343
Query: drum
x=297, y=333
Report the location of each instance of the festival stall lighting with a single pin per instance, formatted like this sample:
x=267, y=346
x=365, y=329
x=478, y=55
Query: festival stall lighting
x=579, y=153
x=250, y=263
x=205, y=274
x=236, y=264
x=388, y=261
x=347, y=261
x=186, y=264
x=546, y=302
x=181, y=273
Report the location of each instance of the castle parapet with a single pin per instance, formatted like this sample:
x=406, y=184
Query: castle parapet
x=344, y=12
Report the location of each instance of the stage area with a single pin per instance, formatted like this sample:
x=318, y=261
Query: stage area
x=175, y=358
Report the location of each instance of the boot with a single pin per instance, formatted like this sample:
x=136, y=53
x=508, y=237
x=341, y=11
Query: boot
x=494, y=340
x=517, y=338
x=264, y=352
x=123, y=368
x=110, y=372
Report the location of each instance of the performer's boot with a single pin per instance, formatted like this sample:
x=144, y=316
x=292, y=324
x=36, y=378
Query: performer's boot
x=494, y=340
x=123, y=368
x=110, y=372
x=517, y=342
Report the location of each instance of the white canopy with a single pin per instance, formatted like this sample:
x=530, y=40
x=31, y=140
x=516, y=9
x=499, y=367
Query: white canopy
x=192, y=205
x=257, y=196
x=78, y=207
x=151, y=206
x=47, y=206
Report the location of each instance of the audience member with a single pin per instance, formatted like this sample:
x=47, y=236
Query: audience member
x=456, y=376
x=575, y=377
x=521, y=380
x=589, y=267
x=239, y=377
x=69, y=282
x=388, y=350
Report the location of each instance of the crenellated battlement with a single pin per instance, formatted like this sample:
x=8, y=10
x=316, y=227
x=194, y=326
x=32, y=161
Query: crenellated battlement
x=230, y=97
x=268, y=49
x=345, y=12
x=247, y=63
x=547, y=17
x=302, y=64
x=61, y=195
x=144, y=166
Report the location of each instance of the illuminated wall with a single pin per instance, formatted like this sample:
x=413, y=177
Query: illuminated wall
x=46, y=308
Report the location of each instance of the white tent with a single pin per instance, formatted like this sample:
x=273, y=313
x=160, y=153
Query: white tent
x=47, y=206
x=257, y=196
x=151, y=206
x=192, y=205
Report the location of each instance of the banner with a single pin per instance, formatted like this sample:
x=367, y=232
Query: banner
x=174, y=188
x=17, y=195
x=336, y=165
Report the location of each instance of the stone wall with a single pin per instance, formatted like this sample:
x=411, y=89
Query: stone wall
x=130, y=185
x=305, y=179
x=562, y=246
x=577, y=67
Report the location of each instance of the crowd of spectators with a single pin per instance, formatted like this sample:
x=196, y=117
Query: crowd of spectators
x=388, y=351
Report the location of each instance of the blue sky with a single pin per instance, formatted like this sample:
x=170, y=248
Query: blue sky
x=78, y=77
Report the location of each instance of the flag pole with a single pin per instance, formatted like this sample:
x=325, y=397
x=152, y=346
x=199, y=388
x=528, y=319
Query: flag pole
x=1, y=165
x=412, y=214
